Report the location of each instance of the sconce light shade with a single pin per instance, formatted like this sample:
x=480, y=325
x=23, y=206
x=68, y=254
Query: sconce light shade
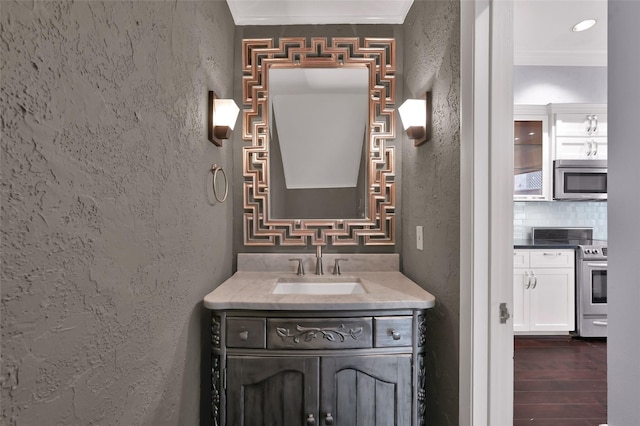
x=222, y=117
x=416, y=118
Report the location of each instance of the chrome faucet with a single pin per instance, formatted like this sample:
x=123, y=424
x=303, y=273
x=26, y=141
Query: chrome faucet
x=336, y=266
x=300, y=265
x=319, y=270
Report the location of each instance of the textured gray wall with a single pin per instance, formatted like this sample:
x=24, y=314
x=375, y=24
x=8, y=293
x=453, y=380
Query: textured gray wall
x=110, y=237
x=431, y=192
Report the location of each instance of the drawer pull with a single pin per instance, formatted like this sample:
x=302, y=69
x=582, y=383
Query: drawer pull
x=395, y=334
x=311, y=421
x=328, y=419
x=244, y=335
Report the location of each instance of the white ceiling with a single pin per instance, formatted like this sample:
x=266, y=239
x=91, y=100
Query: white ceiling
x=543, y=36
x=542, y=28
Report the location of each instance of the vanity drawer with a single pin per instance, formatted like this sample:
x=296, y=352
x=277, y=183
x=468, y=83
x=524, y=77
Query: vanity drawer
x=392, y=331
x=319, y=333
x=246, y=333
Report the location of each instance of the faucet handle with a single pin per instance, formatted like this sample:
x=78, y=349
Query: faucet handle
x=300, y=265
x=336, y=266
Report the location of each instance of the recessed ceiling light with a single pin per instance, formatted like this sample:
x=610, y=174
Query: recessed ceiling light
x=583, y=25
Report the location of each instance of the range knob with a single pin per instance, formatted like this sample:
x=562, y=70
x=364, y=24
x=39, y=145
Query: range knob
x=595, y=251
x=587, y=251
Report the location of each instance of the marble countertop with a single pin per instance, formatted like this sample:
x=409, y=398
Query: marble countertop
x=385, y=289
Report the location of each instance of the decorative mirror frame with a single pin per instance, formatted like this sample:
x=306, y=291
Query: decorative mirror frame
x=377, y=54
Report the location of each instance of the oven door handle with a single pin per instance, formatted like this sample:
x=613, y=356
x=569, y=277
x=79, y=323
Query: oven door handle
x=601, y=323
x=597, y=265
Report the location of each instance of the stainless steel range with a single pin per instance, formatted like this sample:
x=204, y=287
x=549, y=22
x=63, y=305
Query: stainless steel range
x=591, y=275
x=591, y=289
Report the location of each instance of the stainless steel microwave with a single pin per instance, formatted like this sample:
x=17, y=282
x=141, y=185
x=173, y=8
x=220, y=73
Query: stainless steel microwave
x=580, y=180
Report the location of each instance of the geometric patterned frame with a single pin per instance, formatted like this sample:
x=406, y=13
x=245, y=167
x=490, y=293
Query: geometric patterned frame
x=260, y=55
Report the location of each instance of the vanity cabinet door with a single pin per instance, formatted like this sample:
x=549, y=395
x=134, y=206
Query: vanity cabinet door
x=370, y=390
x=272, y=391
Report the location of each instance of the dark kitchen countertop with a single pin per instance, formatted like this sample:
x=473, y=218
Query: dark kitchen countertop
x=528, y=244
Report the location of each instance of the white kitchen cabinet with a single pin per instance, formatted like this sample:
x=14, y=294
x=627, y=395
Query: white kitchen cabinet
x=579, y=131
x=531, y=149
x=543, y=291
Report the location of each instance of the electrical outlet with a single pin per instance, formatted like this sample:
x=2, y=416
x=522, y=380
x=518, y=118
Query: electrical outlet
x=419, y=238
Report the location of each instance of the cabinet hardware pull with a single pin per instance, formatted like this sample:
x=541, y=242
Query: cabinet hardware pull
x=589, y=147
x=328, y=419
x=395, y=334
x=552, y=254
x=592, y=126
x=595, y=148
x=535, y=280
x=244, y=335
x=601, y=323
x=528, y=280
x=310, y=420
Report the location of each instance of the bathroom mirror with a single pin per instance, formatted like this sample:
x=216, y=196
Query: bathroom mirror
x=317, y=112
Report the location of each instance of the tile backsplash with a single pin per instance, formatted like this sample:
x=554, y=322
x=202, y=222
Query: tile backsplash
x=584, y=214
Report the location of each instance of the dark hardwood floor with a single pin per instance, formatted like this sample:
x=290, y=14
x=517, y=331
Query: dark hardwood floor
x=560, y=381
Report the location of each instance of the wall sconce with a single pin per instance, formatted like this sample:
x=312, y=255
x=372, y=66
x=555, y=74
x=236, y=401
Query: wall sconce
x=416, y=118
x=221, y=119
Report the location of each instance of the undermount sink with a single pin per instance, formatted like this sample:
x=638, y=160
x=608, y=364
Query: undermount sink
x=319, y=286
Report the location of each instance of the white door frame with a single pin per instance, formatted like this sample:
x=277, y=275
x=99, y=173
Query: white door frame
x=486, y=212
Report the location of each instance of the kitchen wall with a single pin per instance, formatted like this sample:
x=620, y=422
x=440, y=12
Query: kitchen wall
x=110, y=234
x=587, y=214
x=541, y=85
x=431, y=193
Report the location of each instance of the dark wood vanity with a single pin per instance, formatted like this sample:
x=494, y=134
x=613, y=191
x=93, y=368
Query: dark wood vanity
x=318, y=368
x=318, y=359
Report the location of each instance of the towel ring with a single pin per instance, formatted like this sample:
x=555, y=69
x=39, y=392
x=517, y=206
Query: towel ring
x=215, y=169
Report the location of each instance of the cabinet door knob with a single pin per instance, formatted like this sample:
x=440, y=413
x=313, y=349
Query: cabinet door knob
x=328, y=419
x=395, y=334
x=311, y=421
x=244, y=335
